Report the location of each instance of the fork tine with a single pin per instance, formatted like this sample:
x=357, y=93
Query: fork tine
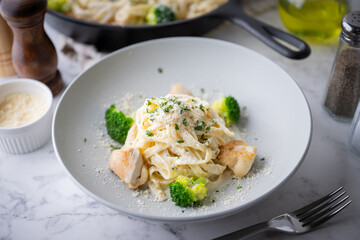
x=316, y=203
x=321, y=206
x=321, y=213
x=326, y=218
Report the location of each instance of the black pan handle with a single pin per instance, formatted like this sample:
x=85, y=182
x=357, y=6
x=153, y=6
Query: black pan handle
x=233, y=12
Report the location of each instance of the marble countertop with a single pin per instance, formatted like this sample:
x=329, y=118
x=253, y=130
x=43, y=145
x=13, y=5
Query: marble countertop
x=39, y=201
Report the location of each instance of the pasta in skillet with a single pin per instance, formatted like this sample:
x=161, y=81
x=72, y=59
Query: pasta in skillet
x=132, y=12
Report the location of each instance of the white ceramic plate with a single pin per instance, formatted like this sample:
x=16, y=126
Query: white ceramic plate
x=278, y=122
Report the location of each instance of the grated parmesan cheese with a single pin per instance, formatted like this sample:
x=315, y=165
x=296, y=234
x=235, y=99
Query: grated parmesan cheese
x=19, y=109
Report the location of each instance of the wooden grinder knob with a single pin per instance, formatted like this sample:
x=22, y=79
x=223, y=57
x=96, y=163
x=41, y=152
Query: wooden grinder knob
x=33, y=53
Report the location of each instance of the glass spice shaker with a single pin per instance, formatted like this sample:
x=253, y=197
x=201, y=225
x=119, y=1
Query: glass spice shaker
x=354, y=135
x=343, y=90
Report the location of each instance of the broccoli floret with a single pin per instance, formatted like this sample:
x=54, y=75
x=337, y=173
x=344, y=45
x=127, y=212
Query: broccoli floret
x=117, y=124
x=228, y=109
x=160, y=14
x=59, y=5
x=187, y=192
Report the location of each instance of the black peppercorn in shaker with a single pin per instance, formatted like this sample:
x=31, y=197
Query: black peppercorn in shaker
x=343, y=91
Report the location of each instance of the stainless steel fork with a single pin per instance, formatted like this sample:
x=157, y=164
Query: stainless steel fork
x=300, y=221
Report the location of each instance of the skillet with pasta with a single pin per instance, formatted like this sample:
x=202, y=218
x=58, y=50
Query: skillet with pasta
x=134, y=12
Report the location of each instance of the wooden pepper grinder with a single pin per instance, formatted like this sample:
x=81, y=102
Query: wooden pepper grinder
x=33, y=53
x=6, y=39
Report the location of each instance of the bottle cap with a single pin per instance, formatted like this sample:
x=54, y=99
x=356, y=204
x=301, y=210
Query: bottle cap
x=351, y=28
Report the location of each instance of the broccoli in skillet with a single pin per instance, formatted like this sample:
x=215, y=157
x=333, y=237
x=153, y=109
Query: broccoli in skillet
x=117, y=124
x=59, y=5
x=187, y=192
x=160, y=14
x=228, y=109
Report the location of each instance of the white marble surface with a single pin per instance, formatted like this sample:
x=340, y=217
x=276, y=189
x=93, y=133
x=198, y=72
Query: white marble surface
x=38, y=200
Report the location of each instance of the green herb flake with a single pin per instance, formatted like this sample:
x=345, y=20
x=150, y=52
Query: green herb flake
x=213, y=200
x=85, y=139
x=149, y=134
x=202, y=90
x=184, y=109
x=186, y=150
x=160, y=70
x=182, y=211
x=217, y=191
x=201, y=108
x=148, y=102
x=202, y=138
x=262, y=159
x=208, y=128
x=113, y=147
x=176, y=127
x=152, y=119
x=239, y=187
x=185, y=122
x=217, y=152
x=180, y=141
x=178, y=156
x=198, y=128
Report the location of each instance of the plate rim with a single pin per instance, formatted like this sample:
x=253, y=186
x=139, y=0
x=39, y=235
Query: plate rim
x=193, y=218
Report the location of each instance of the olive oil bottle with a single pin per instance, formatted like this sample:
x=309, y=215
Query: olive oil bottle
x=316, y=20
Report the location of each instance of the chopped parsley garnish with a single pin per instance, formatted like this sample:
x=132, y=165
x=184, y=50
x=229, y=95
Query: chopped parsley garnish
x=217, y=152
x=186, y=150
x=208, y=128
x=149, y=134
x=198, y=128
x=202, y=138
x=178, y=156
x=176, y=127
x=148, y=103
x=167, y=109
x=180, y=141
x=238, y=187
x=262, y=159
x=217, y=191
x=201, y=108
x=85, y=140
x=213, y=200
x=182, y=211
x=160, y=70
x=202, y=90
x=152, y=119
x=184, y=109
x=185, y=122
x=214, y=123
x=163, y=104
x=113, y=147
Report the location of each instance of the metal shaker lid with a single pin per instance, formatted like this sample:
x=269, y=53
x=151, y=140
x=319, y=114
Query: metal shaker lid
x=351, y=28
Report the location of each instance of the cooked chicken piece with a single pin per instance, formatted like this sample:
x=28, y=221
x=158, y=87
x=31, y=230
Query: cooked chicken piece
x=180, y=89
x=238, y=156
x=128, y=164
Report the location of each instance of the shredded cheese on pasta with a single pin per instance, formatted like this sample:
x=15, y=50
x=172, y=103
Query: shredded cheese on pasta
x=178, y=135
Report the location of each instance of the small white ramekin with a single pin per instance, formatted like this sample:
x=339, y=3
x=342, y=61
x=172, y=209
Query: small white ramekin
x=29, y=137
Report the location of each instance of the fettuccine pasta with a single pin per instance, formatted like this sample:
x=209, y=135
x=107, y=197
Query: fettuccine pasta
x=133, y=12
x=178, y=135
